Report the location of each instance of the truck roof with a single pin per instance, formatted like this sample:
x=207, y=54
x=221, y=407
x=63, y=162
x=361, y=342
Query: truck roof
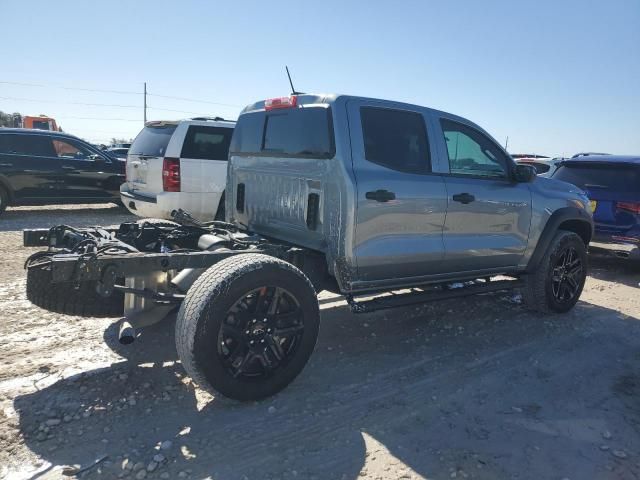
x=331, y=98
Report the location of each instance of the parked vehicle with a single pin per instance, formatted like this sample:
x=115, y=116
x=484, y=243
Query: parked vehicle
x=358, y=196
x=612, y=182
x=587, y=154
x=121, y=145
x=178, y=165
x=40, y=167
x=544, y=166
x=118, y=152
x=41, y=122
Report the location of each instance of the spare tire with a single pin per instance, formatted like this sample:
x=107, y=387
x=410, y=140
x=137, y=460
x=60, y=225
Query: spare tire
x=64, y=297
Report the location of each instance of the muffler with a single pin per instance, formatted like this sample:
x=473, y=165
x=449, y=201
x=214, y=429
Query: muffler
x=126, y=333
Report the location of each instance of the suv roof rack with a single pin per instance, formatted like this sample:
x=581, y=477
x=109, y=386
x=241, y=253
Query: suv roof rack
x=213, y=119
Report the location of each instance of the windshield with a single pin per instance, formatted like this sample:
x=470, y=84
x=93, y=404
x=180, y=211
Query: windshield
x=152, y=140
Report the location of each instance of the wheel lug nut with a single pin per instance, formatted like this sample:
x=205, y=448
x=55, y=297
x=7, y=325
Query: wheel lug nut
x=262, y=341
x=247, y=332
x=254, y=320
x=251, y=342
x=264, y=320
x=268, y=330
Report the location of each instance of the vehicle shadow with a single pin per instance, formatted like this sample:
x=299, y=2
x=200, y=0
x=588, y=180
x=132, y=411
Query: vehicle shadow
x=614, y=269
x=419, y=391
x=19, y=218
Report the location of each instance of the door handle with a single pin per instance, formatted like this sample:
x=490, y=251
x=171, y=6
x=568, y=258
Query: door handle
x=463, y=198
x=380, y=196
x=66, y=167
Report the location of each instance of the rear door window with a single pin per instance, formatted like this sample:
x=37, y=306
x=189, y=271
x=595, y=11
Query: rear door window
x=36, y=145
x=610, y=176
x=395, y=139
x=296, y=132
x=153, y=140
x=207, y=143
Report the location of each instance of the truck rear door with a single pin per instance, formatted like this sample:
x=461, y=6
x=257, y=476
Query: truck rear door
x=400, y=204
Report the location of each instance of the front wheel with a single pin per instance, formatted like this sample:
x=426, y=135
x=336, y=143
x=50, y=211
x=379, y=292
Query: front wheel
x=556, y=285
x=248, y=326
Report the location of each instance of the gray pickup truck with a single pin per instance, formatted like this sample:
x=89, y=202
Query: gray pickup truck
x=387, y=203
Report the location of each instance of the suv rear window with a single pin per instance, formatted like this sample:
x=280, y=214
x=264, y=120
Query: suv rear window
x=609, y=176
x=298, y=132
x=153, y=140
x=208, y=143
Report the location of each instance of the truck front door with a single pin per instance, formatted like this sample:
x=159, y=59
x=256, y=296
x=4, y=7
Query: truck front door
x=488, y=214
x=400, y=204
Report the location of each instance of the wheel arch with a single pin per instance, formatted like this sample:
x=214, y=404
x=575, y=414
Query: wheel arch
x=571, y=219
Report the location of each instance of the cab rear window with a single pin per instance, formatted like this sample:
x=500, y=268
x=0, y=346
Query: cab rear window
x=297, y=132
x=152, y=140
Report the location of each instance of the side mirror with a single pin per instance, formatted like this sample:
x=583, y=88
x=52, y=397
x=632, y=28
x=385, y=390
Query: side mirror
x=524, y=173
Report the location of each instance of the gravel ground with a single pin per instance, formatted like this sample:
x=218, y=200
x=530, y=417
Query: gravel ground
x=472, y=388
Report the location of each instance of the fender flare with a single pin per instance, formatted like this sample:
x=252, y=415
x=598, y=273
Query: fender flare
x=576, y=216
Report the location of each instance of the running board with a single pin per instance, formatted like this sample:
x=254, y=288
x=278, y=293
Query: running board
x=419, y=295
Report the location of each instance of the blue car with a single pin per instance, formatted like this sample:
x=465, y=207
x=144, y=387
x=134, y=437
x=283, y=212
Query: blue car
x=612, y=183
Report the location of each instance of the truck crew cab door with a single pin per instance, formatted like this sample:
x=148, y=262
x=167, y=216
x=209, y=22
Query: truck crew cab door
x=488, y=214
x=400, y=205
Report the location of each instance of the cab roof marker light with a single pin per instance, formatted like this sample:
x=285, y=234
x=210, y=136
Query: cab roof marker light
x=281, y=102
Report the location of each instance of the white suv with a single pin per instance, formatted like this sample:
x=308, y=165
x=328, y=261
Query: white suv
x=178, y=164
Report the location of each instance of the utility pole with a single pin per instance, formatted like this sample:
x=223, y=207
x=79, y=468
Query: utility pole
x=506, y=143
x=145, y=102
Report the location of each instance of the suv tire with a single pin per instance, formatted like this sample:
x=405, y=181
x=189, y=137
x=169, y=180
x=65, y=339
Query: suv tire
x=248, y=326
x=64, y=298
x=557, y=283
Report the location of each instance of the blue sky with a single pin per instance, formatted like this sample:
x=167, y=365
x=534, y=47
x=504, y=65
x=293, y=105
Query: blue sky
x=557, y=77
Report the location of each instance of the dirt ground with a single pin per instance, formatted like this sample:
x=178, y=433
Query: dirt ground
x=472, y=388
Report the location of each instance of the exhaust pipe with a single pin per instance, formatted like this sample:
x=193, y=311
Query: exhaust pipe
x=126, y=334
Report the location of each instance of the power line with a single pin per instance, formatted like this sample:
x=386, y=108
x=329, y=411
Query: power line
x=97, y=118
x=69, y=103
x=194, y=100
x=124, y=92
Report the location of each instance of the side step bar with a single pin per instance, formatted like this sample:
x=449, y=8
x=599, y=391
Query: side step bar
x=419, y=295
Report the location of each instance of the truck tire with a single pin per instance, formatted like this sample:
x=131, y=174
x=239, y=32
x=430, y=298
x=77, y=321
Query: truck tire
x=4, y=199
x=64, y=298
x=247, y=326
x=557, y=283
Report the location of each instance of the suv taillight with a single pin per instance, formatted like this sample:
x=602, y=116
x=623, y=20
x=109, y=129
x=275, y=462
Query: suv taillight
x=633, y=207
x=171, y=174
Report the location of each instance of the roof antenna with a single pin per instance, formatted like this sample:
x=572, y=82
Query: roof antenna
x=293, y=90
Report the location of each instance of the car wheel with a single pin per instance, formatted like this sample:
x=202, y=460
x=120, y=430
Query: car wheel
x=556, y=285
x=248, y=326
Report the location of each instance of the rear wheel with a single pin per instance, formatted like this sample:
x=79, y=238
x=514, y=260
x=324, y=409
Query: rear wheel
x=248, y=326
x=556, y=285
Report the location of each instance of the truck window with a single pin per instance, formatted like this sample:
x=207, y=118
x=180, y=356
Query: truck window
x=207, y=143
x=298, y=132
x=153, y=140
x=472, y=153
x=395, y=139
